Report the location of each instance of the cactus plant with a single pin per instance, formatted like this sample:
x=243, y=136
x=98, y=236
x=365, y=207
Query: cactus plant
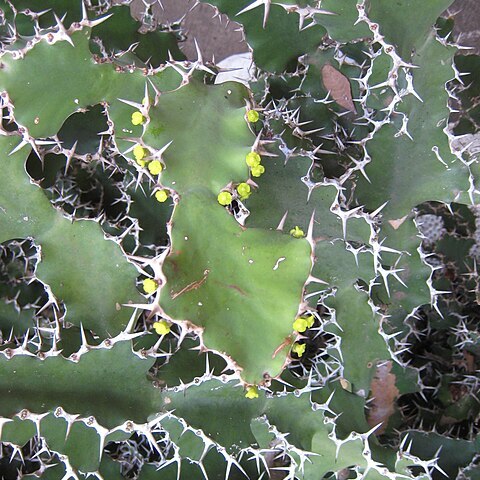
x=274, y=278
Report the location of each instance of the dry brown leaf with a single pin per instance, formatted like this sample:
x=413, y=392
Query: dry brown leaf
x=383, y=395
x=339, y=87
x=397, y=223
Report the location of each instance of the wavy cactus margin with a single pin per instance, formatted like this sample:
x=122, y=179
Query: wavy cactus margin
x=203, y=280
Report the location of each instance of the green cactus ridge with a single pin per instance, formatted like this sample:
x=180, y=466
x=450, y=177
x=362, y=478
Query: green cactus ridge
x=79, y=248
x=275, y=278
x=154, y=138
x=114, y=415
x=258, y=289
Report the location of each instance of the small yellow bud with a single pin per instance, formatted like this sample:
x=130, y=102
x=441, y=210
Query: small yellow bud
x=161, y=196
x=258, y=171
x=297, y=232
x=310, y=321
x=299, y=349
x=149, y=285
x=252, y=392
x=224, y=198
x=300, y=325
x=162, y=327
x=155, y=167
x=142, y=163
x=252, y=116
x=243, y=190
x=139, y=152
x=253, y=159
x=138, y=118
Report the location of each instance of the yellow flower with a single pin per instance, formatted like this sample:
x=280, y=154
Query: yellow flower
x=243, y=190
x=224, y=198
x=149, y=285
x=252, y=116
x=139, y=152
x=299, y=349
x=162, y=327
x=253, y=159
x=161, y=196
x=297, y=232
x=138, y=118
x=252, y=392
x=300, y=325
x=258, y=170
x=155, y=167
x=310, y=321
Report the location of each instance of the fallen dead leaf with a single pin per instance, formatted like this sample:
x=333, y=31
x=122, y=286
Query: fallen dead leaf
x=339, y=87
x=383, y=395
x=397, y=223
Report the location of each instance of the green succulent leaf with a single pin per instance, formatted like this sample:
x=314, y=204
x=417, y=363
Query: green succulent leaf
x=341, y=22
x=82, y=269
x=209, y=145
x=440, y=176
x=407, y=24
x=247, y=301
x=276, y=43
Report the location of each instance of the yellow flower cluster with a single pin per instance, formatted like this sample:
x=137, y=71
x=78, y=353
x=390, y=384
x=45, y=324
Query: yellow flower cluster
x=253, y=160
x=225, y=198
x=154, y=166
x=302, y=323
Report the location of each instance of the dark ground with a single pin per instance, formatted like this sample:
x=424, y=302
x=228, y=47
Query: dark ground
x=467, y=23
x=219, y=38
